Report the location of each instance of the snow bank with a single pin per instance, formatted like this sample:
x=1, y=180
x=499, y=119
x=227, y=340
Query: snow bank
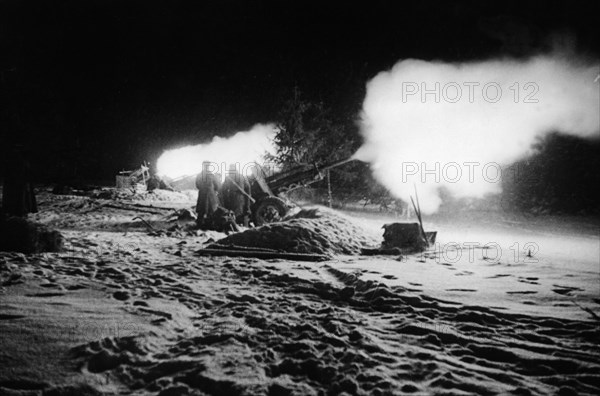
x=315, y=230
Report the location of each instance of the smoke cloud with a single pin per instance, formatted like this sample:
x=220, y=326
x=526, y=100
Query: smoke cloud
x=242, y=149
x=451, y=125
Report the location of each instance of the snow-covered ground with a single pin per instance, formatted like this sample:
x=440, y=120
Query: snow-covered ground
x=548, y=266
x=130, y=310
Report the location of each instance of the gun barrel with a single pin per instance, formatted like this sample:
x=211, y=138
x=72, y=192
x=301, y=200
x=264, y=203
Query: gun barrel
x=336, y=164
x=301, y=176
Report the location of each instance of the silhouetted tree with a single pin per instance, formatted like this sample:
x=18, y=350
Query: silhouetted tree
x=309, y=133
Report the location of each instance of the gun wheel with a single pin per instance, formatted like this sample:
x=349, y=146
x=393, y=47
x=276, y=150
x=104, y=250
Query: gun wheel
x=269, y=210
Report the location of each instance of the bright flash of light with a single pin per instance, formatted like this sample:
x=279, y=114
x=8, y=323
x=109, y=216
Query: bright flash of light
x=435, y=124
x=242, y=149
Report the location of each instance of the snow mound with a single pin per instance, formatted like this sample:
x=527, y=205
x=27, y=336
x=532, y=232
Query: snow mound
x=314, y=230
x=21, y=235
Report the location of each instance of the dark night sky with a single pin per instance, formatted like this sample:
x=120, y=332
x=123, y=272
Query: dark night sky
x=107, y=84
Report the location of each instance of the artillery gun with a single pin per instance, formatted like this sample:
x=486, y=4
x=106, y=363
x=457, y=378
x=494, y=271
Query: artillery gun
x=134, y=180
x=267, y=191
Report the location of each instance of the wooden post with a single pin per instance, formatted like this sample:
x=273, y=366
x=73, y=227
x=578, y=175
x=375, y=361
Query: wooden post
x=329, y=197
